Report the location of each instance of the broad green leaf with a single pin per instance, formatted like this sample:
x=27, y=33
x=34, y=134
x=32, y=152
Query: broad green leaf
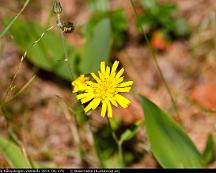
x=13, y=154
x=131, y=132
x=208, y=154
x=118, y=25
x=169, y=143
x=97, y=47
x=48, y=53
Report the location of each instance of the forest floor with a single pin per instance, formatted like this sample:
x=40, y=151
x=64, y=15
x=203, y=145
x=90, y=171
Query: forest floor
x=40, y=119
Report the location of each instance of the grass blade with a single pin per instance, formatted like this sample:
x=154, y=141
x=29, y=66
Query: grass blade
x=14, y=19
x=13, y=154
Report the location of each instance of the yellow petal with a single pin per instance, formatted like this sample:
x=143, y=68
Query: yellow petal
x=114, y=67
x=86, y=99
x=113, y=101
x=125, y=84
x=109, y=109
x=95, y=77
x=80, y=96
x=104, y=108
x=124, y=90
x=75, y=89
x=89, y=83
x=124, y=102
x=96, y=103
x=92, y=105
x=118, y=75
x=119, y=80
x=101, y=76
x=102, y=67
x=107, y=71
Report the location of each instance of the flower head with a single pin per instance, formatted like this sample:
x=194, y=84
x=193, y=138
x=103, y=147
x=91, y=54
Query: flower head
x=105, y=90
x=79, y=83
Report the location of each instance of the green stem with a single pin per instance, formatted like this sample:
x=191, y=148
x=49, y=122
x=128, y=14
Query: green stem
x=118, y=142
x=158, y=67
x=120, y=153
x=66, y=58
x=95, y=147
x=73, y=126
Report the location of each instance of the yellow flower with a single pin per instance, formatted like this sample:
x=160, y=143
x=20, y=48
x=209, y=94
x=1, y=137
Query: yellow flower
x=80, y=83
x=105, y=90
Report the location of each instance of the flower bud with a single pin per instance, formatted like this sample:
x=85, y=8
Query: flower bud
x=57, y=7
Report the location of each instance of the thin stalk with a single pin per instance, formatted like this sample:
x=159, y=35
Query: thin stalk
x=120, y=153
x=73, y=74
x=66, y=59
x=158, y=68
x=73, y=125
x=202, y=27
x=96, y=150
x=14, y=19
x=24, y=151
x=11, y=86
x=213, y=20
x=119, y=144
x=23, y=88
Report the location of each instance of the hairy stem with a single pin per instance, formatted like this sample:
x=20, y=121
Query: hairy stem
x=153, y=53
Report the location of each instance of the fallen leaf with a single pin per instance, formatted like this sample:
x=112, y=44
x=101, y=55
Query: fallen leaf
x=205, y=95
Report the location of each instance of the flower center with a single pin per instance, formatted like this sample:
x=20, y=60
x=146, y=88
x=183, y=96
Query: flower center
x=104, y=90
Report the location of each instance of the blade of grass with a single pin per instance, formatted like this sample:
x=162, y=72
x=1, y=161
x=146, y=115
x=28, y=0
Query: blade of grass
x=73, y=125
x=153, y=53
x=13, y=154
x=213, y=23
x=23, y=88
x=15, y=138
x=14, y=19
x=11, y=87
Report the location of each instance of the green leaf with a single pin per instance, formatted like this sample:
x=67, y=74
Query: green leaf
x=95, y=5
x=97, y=47
x=169, y=143
x=118, y=21
x=13, y=154
x=144, y=22
x=167, y=10
x=118, y=25
x=131, y=132
x=149, y=4
x=119, y=28
x=208, y=154
x=48, y=53
x=181, y=27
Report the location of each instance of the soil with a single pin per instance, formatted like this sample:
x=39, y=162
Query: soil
x=39, y=116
